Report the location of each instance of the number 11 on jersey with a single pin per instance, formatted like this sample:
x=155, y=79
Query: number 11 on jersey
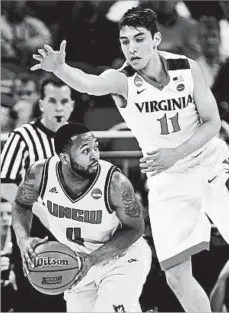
x=165, y=126
x=74, y=234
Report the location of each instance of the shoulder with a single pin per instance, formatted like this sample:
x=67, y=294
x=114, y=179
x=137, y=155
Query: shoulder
x=195, y=67
x=175, y=61
x=119, y=183
x=37, y=168
x=24, y=130
x=117, y=78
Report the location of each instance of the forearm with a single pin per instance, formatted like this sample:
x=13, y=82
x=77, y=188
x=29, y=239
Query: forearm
x=21, y=221
x=116, y=246
x=217, y=296
x=202, y=135
x=76, y=78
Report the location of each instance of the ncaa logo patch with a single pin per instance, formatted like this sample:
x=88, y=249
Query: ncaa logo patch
x=138, y=81
x=96, y=193
x=180, y=87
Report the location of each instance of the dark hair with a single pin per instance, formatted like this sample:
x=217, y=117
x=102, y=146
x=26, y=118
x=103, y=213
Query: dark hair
x=140, y=17
x=26, y=77
x=52, y=81
x=63, y=136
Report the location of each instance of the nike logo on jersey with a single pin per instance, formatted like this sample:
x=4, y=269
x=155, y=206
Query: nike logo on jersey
x=140, y=91
x=210, y=180
x=53, y=190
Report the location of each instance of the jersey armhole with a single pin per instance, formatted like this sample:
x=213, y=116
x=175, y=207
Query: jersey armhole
x=107, y=188
x=44, y=178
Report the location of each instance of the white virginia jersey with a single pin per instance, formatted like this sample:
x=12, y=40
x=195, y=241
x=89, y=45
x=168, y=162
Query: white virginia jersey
x=161, y=116
x=85, y=222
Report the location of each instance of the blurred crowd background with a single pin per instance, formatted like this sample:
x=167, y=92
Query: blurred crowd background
x=198, y=29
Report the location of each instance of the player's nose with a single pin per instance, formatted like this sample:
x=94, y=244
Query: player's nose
x=132, y=48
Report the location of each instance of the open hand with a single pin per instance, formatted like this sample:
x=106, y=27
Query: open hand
x=27, y=247
x=86, y=264
x=50, y=60
x=158, y=161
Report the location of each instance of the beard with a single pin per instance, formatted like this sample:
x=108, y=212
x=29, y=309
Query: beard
x=80, y=170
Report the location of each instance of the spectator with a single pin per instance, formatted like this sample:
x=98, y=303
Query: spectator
x=91, y=31
x=221, y=91
x=21, y=34
x=209, y=38
x=8, y=286
x=25, y=92
x=6, y=118
x=179, y=33
x=224, y=29
x=218, y=294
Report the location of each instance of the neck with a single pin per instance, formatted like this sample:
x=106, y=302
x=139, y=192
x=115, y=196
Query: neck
x=53, y=127
x=73, y=181
x=154, y=69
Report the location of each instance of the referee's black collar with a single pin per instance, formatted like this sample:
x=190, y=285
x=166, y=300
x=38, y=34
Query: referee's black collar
x=45, y=129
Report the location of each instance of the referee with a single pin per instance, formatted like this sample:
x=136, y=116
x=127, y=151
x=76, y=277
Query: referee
x=25, y=145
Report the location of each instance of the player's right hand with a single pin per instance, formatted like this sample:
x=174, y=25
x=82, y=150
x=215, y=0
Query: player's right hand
x=50, y=60
x=27, y=246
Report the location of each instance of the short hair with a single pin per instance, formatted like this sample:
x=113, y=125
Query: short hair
x=140, y=17
x=63, y=136
x=52, y=81
x=26, y=77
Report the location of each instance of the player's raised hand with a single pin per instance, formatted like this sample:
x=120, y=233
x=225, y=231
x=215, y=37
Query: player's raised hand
x=49, y=60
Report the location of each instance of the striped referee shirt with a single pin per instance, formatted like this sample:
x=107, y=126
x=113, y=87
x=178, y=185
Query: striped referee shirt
x=25, y=145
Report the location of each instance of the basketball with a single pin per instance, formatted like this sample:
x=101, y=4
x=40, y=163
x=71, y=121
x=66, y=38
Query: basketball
x=55, y=268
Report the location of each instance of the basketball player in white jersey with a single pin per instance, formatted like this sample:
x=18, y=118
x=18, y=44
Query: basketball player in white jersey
x=90, y=206
x=168, y=106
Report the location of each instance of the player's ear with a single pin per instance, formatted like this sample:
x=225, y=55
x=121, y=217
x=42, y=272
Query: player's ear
x=157, y=38
x=64, y=158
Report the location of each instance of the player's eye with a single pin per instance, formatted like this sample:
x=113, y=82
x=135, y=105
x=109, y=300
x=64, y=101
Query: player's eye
x=140, y=39
x=125, y=42
x=85, y=151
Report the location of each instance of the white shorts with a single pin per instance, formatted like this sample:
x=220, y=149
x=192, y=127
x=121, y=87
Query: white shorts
x=177, y=205
x=115, y=286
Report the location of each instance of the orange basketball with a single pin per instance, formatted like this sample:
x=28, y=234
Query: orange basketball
x=54, y=269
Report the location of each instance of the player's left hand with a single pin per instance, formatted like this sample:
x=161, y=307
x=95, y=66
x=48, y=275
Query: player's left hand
x=86, y=264
x=158, y=161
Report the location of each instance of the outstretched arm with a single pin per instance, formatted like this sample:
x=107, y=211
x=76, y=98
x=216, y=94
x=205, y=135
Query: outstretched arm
x=54, y=61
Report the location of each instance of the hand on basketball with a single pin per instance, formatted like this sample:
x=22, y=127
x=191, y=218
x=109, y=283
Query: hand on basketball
x=86, y=264
x=49, y=60
x=158, y=161
x=27, y=247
